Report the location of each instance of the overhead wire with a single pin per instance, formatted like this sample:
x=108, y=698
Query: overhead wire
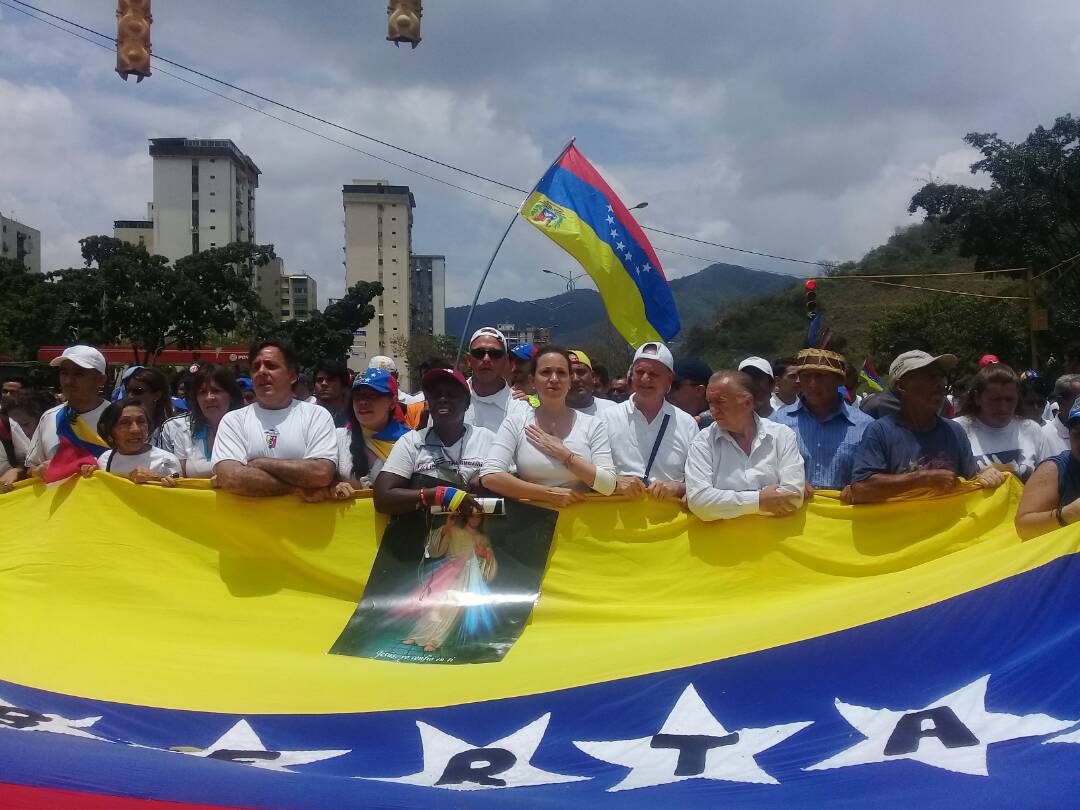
x=420, y=156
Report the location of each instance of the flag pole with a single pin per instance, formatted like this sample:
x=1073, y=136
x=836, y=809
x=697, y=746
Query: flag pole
x=491, y=261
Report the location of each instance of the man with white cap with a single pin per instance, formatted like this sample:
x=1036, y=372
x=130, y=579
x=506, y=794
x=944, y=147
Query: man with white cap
x=580, y=397
x=916, y=449
x=760, y=372
x=82, y=375
x=491, y=398
x=650, y=436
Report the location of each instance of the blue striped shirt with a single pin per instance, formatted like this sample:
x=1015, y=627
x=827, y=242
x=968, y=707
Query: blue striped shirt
x=828, y=448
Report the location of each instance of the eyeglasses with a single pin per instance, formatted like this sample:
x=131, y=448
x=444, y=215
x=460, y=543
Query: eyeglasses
x=494, y=354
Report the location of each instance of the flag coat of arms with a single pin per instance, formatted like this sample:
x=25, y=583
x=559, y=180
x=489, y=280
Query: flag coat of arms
x=169, y=648
x=575, y=207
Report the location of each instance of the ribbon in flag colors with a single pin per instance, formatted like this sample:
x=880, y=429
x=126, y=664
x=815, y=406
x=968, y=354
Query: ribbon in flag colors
x=870, y=377
x=171, y=645
x=575, y=207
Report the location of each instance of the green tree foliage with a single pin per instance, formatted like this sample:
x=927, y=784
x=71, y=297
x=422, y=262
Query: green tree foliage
x=28, y=311
x=126, y=296
x=966, y=327
x=329, y=334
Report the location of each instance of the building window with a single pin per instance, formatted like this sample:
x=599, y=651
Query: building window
x=213, y=244
x=212, y=177
x=213, y=227
x=211, y=194
x=213, y=210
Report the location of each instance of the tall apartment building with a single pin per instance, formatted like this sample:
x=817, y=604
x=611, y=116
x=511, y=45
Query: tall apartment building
x=204, y=195
x=427, y=295
x=515, y=336
x=20, y=242
x=378, y=245
x=285, y=295
x=137, y=231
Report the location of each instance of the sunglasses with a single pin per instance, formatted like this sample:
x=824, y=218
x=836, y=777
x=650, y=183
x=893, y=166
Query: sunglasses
x=494, y=354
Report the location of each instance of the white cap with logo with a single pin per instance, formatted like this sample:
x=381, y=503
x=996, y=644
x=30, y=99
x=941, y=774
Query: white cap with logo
x=488, y=331
x=758, y=363
x=913, y=360
x=654, y=350
x=83, y=356
x=383, y=363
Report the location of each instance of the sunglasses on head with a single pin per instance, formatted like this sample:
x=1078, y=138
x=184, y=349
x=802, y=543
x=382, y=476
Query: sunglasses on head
x=494, y=354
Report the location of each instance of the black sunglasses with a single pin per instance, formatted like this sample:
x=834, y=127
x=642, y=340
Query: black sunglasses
x=494, y=354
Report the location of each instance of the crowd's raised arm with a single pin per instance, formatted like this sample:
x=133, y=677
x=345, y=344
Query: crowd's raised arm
x=545, y=424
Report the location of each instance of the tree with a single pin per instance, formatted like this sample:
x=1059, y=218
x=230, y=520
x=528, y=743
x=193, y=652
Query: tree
x=966, y=327
x=125, y=295
x=329, y=334
x=28, y=311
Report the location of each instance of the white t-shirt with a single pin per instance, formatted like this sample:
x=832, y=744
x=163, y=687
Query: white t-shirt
x=489, y=412
x=1020, y=444
x=422, y=451
x=298, y=431
x=588, y=438
x=19, y=443
x=1056, y=436
x=633, y=436
x=44, y=442
x=597, y=406
x=156, y=460
x=177, y=439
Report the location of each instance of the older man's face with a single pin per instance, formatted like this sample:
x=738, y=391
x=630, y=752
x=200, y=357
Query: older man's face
x=729, y=403
x=923, y=389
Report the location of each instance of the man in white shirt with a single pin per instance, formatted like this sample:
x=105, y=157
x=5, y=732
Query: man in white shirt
x=742, y=464
x=278, y=444
x=650, y=437
x=580, y=397
x=491, y=398
x=82, y=375
x=1066, y=389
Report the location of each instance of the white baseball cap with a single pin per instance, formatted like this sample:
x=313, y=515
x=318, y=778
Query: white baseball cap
x=910, y=361
x=382, y=362
x=488, y=331
x=654, y=350
x=83, y=356
x=759, y=363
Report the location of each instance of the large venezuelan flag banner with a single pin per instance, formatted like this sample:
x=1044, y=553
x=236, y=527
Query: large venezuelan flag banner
x=170, y=645
x=575, y=207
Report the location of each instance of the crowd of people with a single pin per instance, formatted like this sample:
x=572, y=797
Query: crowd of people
x=544, y=424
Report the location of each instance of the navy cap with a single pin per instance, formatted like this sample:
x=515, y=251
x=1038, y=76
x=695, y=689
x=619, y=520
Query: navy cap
x=693, y=369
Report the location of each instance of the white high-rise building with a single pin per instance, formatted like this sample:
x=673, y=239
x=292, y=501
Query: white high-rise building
x=378, y=247
x=427, y=292
x=204, y=195
x=21, y=243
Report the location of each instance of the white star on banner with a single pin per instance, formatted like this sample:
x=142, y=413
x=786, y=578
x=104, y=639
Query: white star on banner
x=1070, y=737
x=614, y=234
x=610, y=209
x=18, y=718
x=620, y=246
x=647, y=267
x=951, y=733
x=610, y=219
x=628, y=257
x=692, y=744
x=241, y=744
x=454, y=764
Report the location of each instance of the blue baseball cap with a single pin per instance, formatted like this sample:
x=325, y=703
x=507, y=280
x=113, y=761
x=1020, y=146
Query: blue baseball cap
x=245, y=383
x=1074, y=414
x=523, y=351
x=374, y=378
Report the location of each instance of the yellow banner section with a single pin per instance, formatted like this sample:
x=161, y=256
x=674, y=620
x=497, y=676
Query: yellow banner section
x=194, y=599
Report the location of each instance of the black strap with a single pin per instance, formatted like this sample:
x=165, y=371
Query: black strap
x=108, y=464
x=656, y=445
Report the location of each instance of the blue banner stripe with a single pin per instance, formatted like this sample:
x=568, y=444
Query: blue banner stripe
x=566, y=189
x=1024, y=633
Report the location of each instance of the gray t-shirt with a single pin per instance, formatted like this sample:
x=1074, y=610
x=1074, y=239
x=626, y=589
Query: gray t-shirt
x=890, y=448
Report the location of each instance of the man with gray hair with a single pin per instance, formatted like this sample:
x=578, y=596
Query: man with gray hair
x=1066, y=389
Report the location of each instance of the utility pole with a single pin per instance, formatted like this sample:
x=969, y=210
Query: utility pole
x=1034, y=318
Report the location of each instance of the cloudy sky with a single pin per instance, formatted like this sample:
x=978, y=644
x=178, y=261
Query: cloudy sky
x=785, y=127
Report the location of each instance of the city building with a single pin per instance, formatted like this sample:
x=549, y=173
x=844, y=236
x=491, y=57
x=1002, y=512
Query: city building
x=378, y=247
x=204, y=195
x=427, y=295
x=20, y=242
x=137, y=231
x=285, y=295
x=536, y=335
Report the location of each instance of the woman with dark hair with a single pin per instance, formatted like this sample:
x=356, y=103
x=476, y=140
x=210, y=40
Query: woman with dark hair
x=1033, y=397
x=20, y=413
x=125, y=427
x=559, y=453
x=376, y=422
x=1000, y=438
x=211, y=393
x=151, y=387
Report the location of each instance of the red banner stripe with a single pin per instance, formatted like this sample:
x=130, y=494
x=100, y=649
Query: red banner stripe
x=24, y=797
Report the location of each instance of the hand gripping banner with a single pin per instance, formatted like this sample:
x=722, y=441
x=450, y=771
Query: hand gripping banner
x=172, y=646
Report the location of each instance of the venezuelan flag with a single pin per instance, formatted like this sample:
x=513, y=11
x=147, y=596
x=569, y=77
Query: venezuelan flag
x=870, y=377
x=575, y=207
x=170, y=645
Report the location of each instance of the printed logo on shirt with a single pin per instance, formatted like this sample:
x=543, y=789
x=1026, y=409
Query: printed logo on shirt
x=271, y=438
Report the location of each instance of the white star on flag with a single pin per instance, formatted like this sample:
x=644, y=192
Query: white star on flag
x=628, y=257
x=620, y=246
x=18, y=718
x=1070, y=737
x=453, y=764
x=610, y=209
x=951, y=733
x=610, y=219
x=614, y=234
x=647, y=267
x=692, y=744
x=241, y=744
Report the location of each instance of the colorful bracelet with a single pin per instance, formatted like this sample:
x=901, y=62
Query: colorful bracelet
x=423, y=499
x=455, y=501
x=440, y=496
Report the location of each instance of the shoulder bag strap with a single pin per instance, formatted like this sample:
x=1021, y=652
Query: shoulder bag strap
x=656, y=445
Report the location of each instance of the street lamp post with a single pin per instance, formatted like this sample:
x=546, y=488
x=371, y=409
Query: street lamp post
x=571, y=280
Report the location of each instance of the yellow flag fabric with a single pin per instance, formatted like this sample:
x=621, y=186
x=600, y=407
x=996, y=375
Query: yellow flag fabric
x=195, y=599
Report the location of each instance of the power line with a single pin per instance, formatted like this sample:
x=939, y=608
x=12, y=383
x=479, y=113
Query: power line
x=860, y=277
x=371, y=138
x=1056, y=266
x=949, y=292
